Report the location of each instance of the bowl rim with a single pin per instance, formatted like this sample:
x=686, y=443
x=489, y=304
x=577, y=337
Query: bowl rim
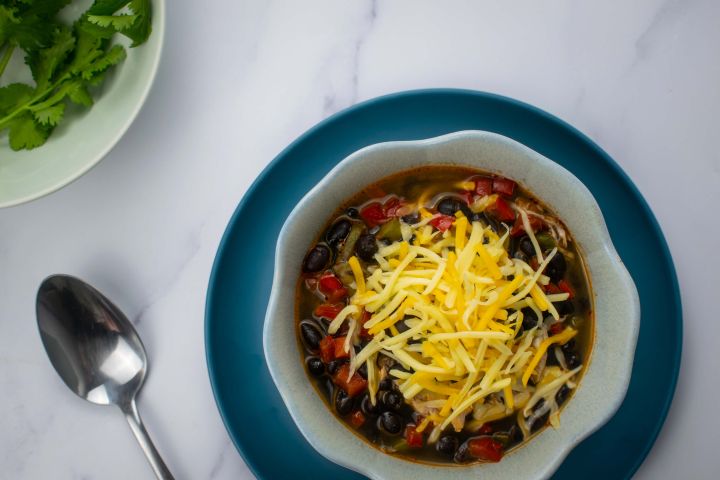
x=610, y=257
x=158, y=31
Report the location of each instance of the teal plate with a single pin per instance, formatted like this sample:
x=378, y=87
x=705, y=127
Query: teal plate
x=249, y=404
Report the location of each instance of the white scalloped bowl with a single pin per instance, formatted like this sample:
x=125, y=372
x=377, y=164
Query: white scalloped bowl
x=617, y=308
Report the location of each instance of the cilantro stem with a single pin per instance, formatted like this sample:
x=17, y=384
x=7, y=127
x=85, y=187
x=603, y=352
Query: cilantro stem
x=4, y=121
x=6, y=57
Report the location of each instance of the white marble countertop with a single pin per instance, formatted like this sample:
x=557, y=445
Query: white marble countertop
x=238, y=81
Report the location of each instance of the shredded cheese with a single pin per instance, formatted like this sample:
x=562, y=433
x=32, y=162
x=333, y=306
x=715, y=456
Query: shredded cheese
x=448, y=307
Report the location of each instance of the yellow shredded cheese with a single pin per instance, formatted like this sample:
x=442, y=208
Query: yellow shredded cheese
x=447, y=306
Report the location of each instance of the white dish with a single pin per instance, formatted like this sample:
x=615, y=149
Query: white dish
x=616, y=303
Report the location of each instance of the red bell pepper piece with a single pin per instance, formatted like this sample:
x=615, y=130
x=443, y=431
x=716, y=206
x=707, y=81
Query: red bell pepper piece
x=392, y=206
x=483, y=186
x=354, y=385
x=413, y=438
x=518, y=228
x=556, y=328
x=328, y=310
x=566, y=288
x=503, y=186
x=340, y=348
x=327, y=349
x=485, y=448
x=332, y=287
x=442, y=222
x=502, y=210
x=373, y=214
x=357, y=419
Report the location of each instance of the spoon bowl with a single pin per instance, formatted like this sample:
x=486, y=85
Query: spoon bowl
x=95, y=350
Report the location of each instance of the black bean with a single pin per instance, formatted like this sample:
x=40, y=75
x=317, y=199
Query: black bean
x=565, y=307
x=362, y=371
x=562, y=394
x=516, y=434
x=411, y=218
x=392, y=400
x=391, y=423
x=387, y=384
x=525, y=246
x=337, y=232
x=343, y=403
x=521, y=256
x=367, y=407
x=335, y=365
x=551, y=358
x=316, y=259
x=311, y=336
x=529, y=318
x=366, y=247
x=448, y=205
x=352, y=212
x=568, y=346
x=540, y=422
x=556, y=267
x=315, y=366
x=462, y=455
x=538, y=405
x=573, y=360
x=447, y=445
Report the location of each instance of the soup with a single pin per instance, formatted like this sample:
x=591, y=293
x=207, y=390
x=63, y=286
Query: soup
x=444, y=315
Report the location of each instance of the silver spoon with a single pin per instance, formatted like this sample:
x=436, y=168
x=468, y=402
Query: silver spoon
x=96, y=351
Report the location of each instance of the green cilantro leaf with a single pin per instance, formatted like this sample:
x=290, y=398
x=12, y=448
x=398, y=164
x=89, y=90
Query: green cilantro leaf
x=25, y=133
x=50, y=115
x=65, y=61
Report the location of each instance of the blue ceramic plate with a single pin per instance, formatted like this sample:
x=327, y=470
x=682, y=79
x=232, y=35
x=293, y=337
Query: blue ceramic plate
x=250, y=406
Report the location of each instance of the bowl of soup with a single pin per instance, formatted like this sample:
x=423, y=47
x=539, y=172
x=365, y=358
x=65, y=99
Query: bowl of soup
x=449, y=307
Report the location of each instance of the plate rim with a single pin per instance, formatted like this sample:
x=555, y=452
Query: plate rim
x=223, y=244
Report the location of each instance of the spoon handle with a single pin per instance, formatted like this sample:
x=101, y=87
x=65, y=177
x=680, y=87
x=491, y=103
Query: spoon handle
x=156, y=462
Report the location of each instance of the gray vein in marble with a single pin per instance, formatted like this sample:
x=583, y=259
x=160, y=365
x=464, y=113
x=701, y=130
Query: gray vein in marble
x=220, y=460
x=194, y=248
x=330, y=104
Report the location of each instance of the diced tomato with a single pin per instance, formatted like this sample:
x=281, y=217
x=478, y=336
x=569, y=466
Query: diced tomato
x=376, y=213
x=556, y=328
x=519, y=228
x=364, y=334
x=485, y=448
x=483, y=186
x=373, y=214
x=566, y=288
x=485, y=429
x=502, y=210
x=332, y=287
x=467, y=196
x=551, y=288
x=357, y=419
x=442, y=222
x=352, y=387
x=503, y=186
x=413, y=438
x=340, y=348
x=327, y=349
x=328, y=310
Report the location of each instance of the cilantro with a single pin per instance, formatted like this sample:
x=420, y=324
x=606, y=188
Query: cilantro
x=65, y=60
